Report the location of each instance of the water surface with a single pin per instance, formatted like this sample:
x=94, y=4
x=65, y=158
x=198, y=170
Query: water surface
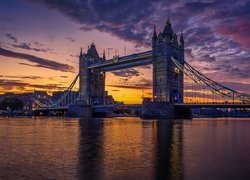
x=124, y=148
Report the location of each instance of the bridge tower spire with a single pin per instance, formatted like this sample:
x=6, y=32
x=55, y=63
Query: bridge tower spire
x=92, y=83
x=167, y=78
x=155, y=34
x=104, y=56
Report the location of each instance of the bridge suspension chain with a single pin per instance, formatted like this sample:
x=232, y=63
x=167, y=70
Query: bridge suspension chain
x=66, y=93
x=213, y=86
x=59, y=101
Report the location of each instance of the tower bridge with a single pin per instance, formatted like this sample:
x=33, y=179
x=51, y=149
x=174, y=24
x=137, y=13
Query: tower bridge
x=169, y=67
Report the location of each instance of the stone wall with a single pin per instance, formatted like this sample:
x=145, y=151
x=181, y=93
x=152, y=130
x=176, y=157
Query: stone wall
x=82, y=111
x=159, y=110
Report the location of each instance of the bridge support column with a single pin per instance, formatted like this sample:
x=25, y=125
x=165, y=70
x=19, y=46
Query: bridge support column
x=183, y=113
x=81, y=111
x=159, y=110
x=163, y=110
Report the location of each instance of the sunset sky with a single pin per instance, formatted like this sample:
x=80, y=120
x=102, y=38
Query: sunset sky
x=40, y=41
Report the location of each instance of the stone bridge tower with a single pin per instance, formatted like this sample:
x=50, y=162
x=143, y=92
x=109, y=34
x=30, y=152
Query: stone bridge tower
x=167, y=78
x=92, y=82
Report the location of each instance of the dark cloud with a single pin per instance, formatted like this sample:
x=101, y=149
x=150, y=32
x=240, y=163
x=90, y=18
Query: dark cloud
x=64, y=76
x=11, y=37
x=121, y=18
x=208, y=58
x=237, y=31
x=128, y=87
x=127, y=73
x=8, y=85
x=146, y=67
x=12, y=84
x=72, y=55
x=140, y=84
x=38, y=44
x=39, y=62
x=133, y=20
x=85, y=28
x=28, y=46
x=21, y=77
x=216, y=32
x=71, y=39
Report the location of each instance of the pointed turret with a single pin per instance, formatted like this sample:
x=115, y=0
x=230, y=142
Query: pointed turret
x=168, y=28
x=155, y=34
x=92, y=51
x=81, y=52
x=181, y=40
x=104, y=56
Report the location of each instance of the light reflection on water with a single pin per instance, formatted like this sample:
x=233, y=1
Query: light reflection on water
x=124, y=148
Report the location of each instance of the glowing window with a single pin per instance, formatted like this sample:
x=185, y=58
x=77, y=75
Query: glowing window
x=176, y=70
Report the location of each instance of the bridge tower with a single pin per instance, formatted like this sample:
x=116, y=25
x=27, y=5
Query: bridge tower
x=167, y=78
x=92, y=82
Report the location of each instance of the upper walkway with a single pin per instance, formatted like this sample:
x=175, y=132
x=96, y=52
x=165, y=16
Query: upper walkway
x=129, y=61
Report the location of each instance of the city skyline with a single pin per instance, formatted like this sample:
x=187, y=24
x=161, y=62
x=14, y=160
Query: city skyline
x=41, y=41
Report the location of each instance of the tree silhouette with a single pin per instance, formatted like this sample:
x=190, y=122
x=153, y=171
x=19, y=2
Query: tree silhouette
x=12, y=103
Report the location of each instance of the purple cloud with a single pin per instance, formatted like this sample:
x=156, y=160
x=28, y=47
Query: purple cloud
x=39, y=62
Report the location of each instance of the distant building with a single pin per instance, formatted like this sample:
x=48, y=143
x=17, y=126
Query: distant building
x=70, y=97
x=41, y=95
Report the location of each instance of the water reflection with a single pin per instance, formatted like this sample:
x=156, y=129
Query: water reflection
x=130, y=149
x=90, y=149
x=124, y=148
x=168, y=161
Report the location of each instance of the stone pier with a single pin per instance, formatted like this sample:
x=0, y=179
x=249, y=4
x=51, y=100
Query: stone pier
x=164, y=110
x=81, y=111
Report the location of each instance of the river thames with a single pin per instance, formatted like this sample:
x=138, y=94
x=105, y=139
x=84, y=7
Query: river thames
x=124, y=148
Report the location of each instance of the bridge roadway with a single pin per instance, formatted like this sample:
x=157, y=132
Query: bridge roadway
x=213, y=105
x=65, y=108
x=190, y=105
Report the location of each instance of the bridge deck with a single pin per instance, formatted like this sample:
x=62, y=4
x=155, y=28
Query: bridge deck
x=214, y=105
x=191, y=105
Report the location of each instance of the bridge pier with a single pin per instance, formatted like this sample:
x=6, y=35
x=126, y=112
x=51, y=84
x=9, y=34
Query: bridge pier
x=164, y=110
x=159, y=110
x=183, y=112
x=79, y=110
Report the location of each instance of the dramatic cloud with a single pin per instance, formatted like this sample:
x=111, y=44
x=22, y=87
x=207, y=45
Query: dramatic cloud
x=127, y=87
x=127, y=73
x=141, y=84
x=216, y=33
x=8, y=85
x=11, y=37
x=223, y=38
x=39, y=62
x=28, y=46
x=21, y=77
x=121, y=18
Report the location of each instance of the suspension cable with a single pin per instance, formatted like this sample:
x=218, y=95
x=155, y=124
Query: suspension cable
x=212, y=85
